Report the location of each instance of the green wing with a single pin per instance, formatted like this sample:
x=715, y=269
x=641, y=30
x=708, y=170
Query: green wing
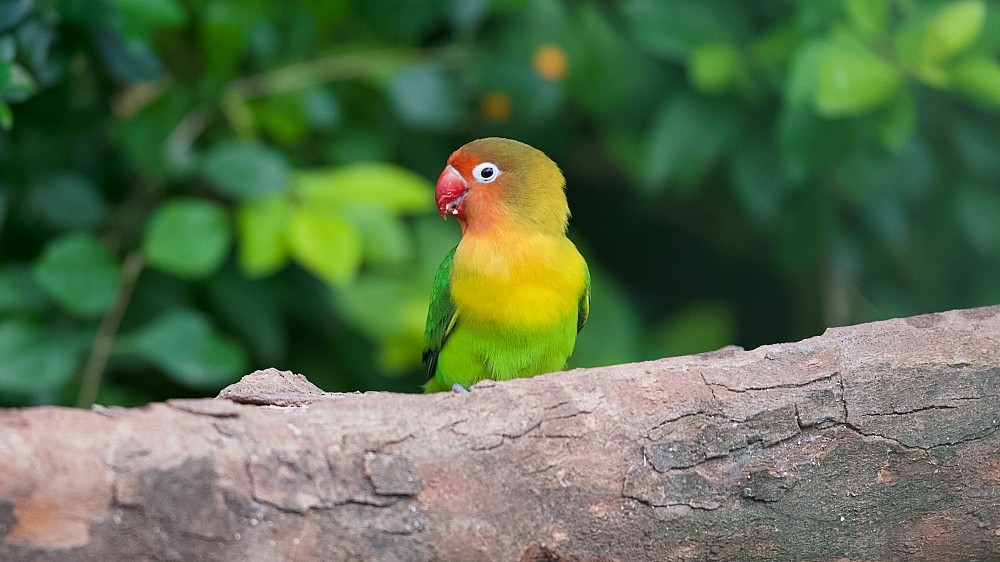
x=584, y=308
x=440, y=315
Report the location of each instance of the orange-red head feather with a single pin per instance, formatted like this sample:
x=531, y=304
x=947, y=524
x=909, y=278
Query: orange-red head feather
x=496, y=183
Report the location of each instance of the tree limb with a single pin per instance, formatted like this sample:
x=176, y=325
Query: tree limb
x=871, y=442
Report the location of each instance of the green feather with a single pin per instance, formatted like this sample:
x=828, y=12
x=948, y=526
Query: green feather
x=584, y=309
x=440, y=316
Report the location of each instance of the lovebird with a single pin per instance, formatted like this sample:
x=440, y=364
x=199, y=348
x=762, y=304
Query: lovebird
x=509, y=300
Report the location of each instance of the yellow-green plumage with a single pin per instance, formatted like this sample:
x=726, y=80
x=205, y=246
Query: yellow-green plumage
x=509, y=300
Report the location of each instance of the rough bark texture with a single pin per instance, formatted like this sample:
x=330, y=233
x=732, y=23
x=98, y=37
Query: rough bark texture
x=873, y=442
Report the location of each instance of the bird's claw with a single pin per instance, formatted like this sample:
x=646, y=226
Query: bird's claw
x=459, y=389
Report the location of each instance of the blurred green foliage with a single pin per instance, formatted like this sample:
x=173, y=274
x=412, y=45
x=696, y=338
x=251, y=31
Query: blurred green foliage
x=190, y=189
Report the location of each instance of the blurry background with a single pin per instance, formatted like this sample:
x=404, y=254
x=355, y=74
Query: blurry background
x=190, y=190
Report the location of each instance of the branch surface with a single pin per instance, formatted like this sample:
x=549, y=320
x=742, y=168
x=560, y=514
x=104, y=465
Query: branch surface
x=870, y=442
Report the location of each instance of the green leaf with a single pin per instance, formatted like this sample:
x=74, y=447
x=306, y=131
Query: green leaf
x=224, y=29
x=597, y=79
x=802, y=77
x=243, y=169
x=871, y=17
x=129, y=59
x=80, y=273
x=714, y=67
x=66, y=201
x=37, y=40
x=466, y=15
x=396, y=322
x=852, y=80
x=425, y=98
x=809, y=142
x=433, y=238
x=283, y=117
x=687, y=135
x=954, y=27
x=188, y=238
x=262, y=224
x=979, y=77
x=11, y=12
x=187, y=348
x=775, y=48
x=675, y=29
x=20, y=84
x=325, y=244
x=380, y=185
x=322, y=110
x=19, y=292
x=381, y=305
x=140, y=17
x=384, y=238
x=815, y=16
x=35, y=360
x=899, y=122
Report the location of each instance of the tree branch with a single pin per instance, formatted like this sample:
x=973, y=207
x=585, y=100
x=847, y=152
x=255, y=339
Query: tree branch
x=871, y=442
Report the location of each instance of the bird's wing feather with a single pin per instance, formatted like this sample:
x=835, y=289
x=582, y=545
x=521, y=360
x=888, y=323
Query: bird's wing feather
x=441, y=315
x=584, y=307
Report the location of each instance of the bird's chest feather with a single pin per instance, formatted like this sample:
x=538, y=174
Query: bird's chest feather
x=527, y=282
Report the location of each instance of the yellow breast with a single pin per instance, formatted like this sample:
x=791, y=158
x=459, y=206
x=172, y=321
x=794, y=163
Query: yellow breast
x=522, y=280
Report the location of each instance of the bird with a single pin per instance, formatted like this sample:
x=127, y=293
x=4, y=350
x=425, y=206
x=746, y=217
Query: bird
x=509, y=300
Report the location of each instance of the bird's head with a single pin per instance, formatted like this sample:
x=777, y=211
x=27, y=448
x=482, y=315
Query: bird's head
x=496, y=182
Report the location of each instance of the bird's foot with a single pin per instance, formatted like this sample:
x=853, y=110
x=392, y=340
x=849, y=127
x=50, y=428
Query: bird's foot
x=459, y=389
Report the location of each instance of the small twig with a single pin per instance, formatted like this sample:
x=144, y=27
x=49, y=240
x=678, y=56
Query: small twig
x=139, y=96
x=298, y=76
x=302, y=75
x=93, y=372
x=177, y=147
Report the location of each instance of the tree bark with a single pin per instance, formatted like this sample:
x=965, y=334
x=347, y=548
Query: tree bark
x=872, y=442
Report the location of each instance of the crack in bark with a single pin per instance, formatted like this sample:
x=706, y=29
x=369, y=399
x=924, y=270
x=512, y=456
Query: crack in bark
x=508, y=437
x=567, y=416
x=798, y=418
x=843, y=395
x=892, y=440
x=772, y=387
x=654, y=505
x=557, y=405
x=451, y=425
x=690, y=505
x=381, y=447
x=905, y=446
x=913, y=411
x=672, y=420
x=983, y=397
x=709, y=385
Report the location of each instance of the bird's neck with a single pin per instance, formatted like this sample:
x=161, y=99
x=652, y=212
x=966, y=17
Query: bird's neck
x=496, y=223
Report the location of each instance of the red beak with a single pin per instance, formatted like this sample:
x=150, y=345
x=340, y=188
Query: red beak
x=450, y=193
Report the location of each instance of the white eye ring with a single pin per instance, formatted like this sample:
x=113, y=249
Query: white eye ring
x=485, y=172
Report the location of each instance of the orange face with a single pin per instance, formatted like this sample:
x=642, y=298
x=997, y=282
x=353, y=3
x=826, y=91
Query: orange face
x=470, y=187
x=496, y=183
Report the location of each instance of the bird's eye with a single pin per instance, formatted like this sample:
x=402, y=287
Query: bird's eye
x=485, y=172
